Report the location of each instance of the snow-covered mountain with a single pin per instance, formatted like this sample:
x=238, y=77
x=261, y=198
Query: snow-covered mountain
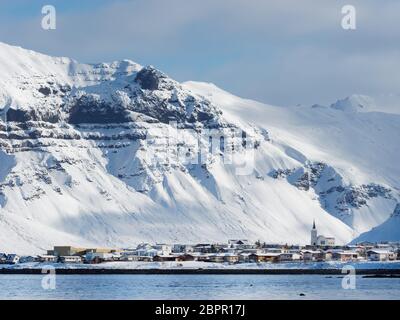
x=387, y=231
x=354, y=103
x=114, y=154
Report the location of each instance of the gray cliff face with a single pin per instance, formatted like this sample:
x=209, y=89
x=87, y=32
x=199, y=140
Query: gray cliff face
x=334, y=195
x=149, y=92
x=115, y=115
x=128, y=101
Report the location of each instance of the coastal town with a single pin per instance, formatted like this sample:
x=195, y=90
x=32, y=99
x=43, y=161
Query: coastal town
x=233, y=252
x=320, y=249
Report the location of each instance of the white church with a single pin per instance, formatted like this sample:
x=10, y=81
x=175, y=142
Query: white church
x=320, y=240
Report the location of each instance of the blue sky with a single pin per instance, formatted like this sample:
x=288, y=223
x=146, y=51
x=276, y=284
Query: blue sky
x=281, y=52
x=21, y=9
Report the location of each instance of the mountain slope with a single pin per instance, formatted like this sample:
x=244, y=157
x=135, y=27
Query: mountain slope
x=115, y=154
x=357, y=149
x=387, y=231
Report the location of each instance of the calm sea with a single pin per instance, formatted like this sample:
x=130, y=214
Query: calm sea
x=196, y=287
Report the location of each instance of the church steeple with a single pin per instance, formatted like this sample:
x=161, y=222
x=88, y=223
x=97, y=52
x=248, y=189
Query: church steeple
x=314, y=235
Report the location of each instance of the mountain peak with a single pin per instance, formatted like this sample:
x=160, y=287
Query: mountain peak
x=354, y=103
x=150, y=78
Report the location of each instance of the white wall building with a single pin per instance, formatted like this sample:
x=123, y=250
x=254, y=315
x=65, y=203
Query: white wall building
x=148, y=252
x=182, y=248
x=320, y=240
x=106, y=256
x=163, y=249
x=71, y=259
x=47, y=258
x=381, y=255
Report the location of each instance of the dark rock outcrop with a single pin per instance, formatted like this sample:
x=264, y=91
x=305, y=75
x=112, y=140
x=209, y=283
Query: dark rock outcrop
x=334, y=196
x=89, y=110
x=150, y=78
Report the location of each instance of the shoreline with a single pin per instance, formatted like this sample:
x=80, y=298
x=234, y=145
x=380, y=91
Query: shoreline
x=106, y=271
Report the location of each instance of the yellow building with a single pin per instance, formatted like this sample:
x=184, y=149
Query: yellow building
x=75, y=251
x=68, y=251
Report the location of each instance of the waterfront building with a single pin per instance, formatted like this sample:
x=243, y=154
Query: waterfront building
x=70, y=259
x=47, y=258
x=381, y=255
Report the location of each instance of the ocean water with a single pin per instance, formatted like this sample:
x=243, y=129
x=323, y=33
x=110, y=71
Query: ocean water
x=195, y=287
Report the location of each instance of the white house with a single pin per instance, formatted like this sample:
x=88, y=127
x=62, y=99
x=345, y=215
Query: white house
x=296, y=255
x=380, y=255
x=325, y=241
x=163, y=249
x=147, y=252
x=47, y=258
x=104, y=256
x=244, y=256
x=71, y=259
x=182, y=248
x=312, y=255
x=345, y=255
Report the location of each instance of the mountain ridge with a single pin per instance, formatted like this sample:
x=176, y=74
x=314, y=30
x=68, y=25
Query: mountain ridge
x=75, y=141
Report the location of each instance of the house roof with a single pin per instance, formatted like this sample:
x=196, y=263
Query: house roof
x=347, y=252
x=270, y=254
x=310, y=251
x=380, y=251
x=166, y=256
